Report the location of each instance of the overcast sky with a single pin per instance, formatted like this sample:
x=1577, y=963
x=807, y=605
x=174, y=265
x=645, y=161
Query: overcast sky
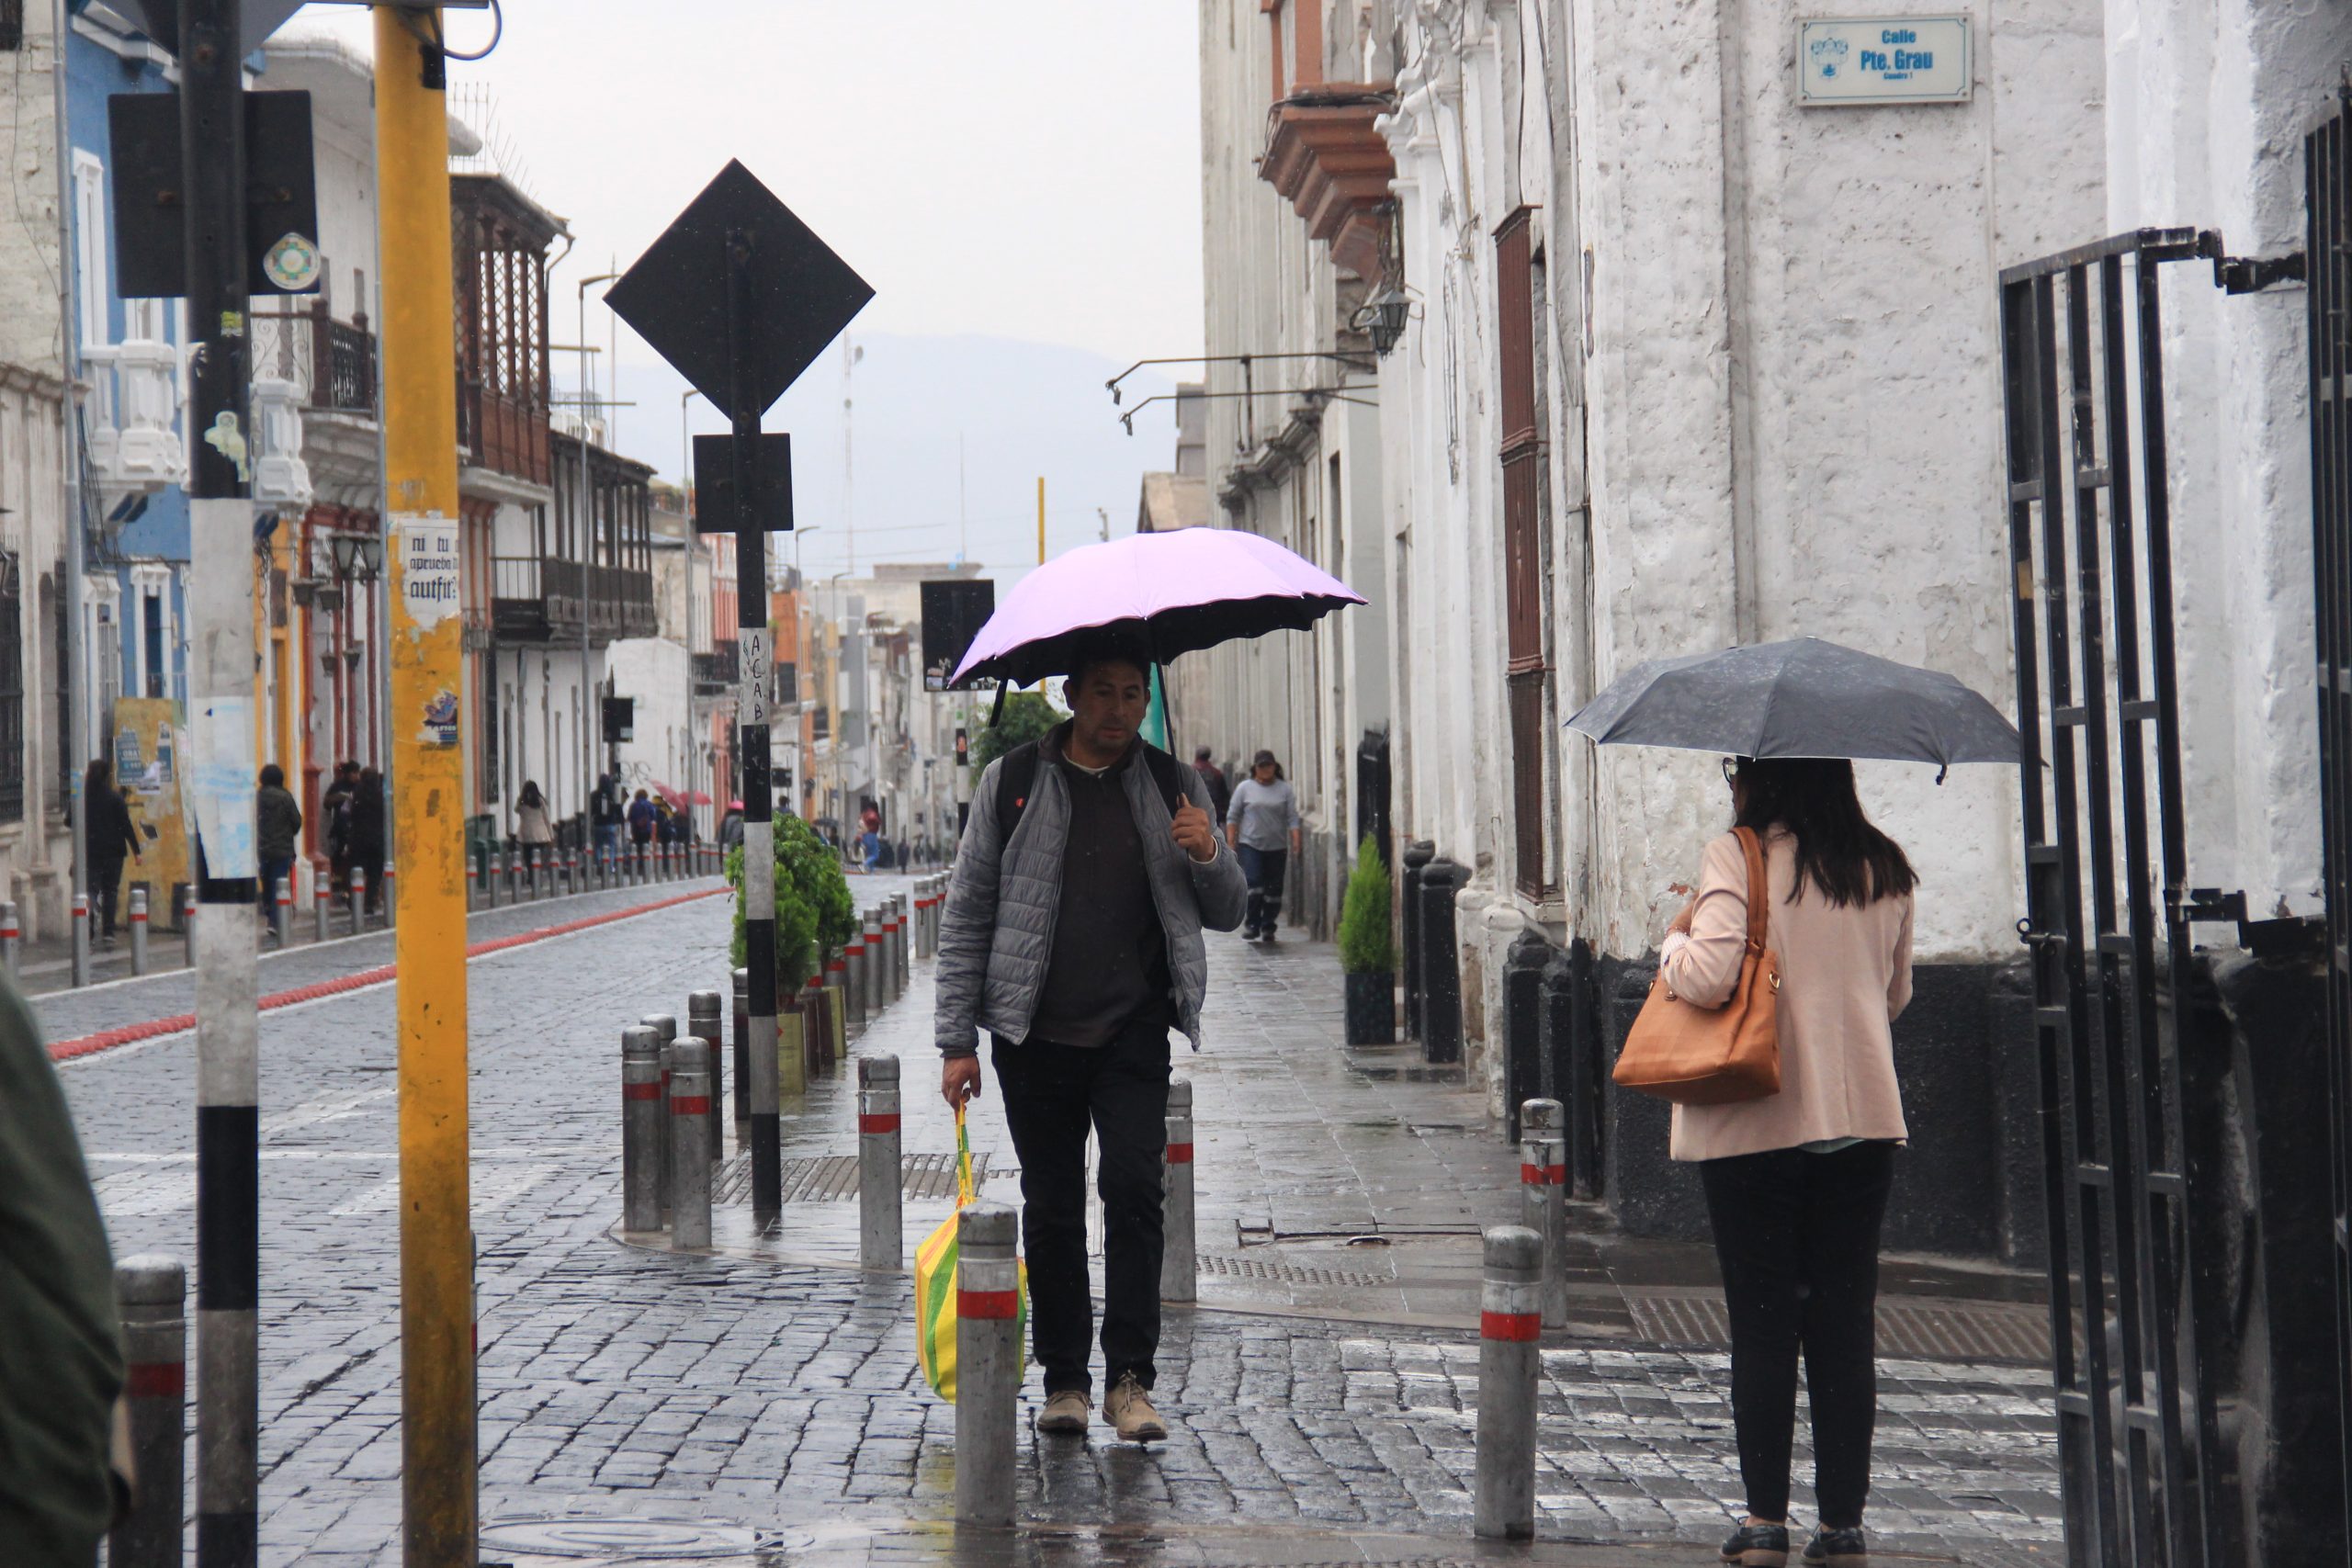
x=1022, y=169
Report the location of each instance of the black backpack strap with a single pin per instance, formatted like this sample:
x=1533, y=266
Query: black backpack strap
x=1016, y=776
x=1164, y=774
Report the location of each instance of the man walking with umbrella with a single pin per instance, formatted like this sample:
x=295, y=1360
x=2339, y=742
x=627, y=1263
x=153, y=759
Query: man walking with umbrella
x=1072, y=934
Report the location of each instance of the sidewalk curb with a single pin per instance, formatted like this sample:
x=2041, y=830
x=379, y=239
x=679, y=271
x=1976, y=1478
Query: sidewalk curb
x=130, y=1033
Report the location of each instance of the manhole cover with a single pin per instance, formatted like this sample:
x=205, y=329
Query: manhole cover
x=826, y=1179
x=1288, y=1273
x=611, y=1537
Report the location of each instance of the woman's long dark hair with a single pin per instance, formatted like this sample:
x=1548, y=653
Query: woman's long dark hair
x=98, y=779
x=530, y=796
x=1837, y=850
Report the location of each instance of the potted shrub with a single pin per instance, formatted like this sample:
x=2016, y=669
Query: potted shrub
x=1367, y=951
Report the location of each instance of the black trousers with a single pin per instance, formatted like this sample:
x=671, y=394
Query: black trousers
x=1264, y=869
x=106, y=890
x=1796, y=1235
x=1052, y=1094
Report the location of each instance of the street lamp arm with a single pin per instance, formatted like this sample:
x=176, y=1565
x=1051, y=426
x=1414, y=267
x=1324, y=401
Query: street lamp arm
x=1352, y=361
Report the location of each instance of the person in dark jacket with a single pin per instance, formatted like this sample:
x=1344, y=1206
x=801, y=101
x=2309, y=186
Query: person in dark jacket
x=110, y=836
x=1220, y=791
x=277, y=821
x=61, y=1341
x=367, y=837
x=335, y=810
x=644, y=817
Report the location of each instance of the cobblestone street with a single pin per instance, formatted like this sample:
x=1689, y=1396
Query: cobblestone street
x=767, y=1387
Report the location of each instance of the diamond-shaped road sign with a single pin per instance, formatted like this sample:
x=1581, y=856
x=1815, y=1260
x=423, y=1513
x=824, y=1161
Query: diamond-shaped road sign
x=803, y=295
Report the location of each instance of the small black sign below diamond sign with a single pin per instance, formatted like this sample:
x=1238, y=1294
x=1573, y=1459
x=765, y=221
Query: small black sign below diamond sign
x=802, y=294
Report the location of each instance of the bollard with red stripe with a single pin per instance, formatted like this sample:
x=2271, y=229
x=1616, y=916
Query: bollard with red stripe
x=138, y=931
x=1543, y=1189
x=854, y=977
x=641, y=1173
x=322, y=895
x=1511, y=1322
x=358, y=898
x=81, y=938
x=988, y=1363
x=281, y=910
x=12, y=936
x=880, y=1242
x=666, y=1029
x=1180, y=1270
x=188, y=928
x=387, y=893
x=743, y=1037
x=702, y=1023
x=152, y=1291
x=689, y=1143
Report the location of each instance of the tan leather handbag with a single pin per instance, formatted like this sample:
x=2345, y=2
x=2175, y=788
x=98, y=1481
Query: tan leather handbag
x=1695, y=1056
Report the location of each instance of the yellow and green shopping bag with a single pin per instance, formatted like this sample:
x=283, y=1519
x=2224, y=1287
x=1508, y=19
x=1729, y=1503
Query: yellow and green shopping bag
x=936, y=1292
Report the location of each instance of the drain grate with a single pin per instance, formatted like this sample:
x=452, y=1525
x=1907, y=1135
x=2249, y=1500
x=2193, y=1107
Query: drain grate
x=826, y=1179
x=1288, y=1273
x=622, y=1539
x=1967, y=1331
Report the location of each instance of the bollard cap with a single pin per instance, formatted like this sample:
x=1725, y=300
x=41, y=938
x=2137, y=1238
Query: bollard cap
x=152, y=1278
x=1513, y=1252
x=877, y=1069
x=986, y=1230
x=1540, y=1114
x=743, y=982
x=639, y=1041
x=664, y=1026
x=690, y=1055
x=1180, y=1094
x=705, y=1004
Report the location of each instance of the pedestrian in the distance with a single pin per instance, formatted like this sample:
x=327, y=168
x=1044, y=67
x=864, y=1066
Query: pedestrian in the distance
x=1262, y=824
x=278, y=820
x=642, y=819
x=111, y=836
x=533, y=830
x=604, y=815
x=1796, y=1183
x=1072, y=934
x=368, y=833
x=1220, y=791
x=334, y=806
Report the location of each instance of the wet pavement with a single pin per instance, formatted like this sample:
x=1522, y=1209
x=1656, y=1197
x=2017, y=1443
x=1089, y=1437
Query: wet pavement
x=764, y=1398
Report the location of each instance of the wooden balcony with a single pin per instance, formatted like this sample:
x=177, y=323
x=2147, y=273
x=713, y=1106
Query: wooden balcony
x=537, y=599
x=1323, y=154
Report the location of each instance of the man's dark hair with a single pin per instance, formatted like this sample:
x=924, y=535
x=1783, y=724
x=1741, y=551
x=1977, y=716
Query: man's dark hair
x=1108, y=647
x=1837, y=850
x=1203, y=753
x=273, y=776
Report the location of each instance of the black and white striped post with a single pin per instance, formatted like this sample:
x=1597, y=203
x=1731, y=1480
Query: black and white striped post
x=152, y=1291
x=1179, y=1268
x=1510, y=1323
x=1544, y=1196
x=881, y=1241
x=988, y=1363
x=642, y=1174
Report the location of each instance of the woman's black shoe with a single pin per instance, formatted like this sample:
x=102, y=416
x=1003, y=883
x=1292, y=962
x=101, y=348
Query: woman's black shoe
x=1758, y=1546
x=1838, y=1548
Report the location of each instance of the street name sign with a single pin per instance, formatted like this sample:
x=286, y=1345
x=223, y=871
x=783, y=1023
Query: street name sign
x=1856, y=62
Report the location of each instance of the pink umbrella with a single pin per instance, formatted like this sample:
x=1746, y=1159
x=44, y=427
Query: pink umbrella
x=1176, y=591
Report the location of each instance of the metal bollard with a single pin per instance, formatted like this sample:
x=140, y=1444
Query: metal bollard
x=138, y=931
x=903, y=950
x=837, y=1032
x=281, y=910
x=322, y=897
x=854, y=977
x=152, y=1291
x=836, y=1019
x=1544, y=1194
x=188, y=928
x=12, y=936
x=666, y=1029
x=894, y=946
x=359, y=900
x=988, y=1364
x=689, y=1143
x=642, y=1176
x=390, y=891
x=876, y=961
x=743, y=1058
x=1509, y=1322
x=81, y=938
x=1179, y=1268
x=474, y=880
x=881, y=1242
x=702, y=1023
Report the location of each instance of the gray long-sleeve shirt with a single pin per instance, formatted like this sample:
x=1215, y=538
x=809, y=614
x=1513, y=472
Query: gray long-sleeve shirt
x=1266, y=814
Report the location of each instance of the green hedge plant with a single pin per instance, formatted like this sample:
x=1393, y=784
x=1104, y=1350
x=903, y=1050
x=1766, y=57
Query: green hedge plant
x=814, y=911
x=1366, y=946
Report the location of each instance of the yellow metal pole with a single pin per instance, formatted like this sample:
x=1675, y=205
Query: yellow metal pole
x=1041, y=519
x=428, y=809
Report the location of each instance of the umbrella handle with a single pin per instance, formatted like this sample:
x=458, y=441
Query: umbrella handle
x=996, y=714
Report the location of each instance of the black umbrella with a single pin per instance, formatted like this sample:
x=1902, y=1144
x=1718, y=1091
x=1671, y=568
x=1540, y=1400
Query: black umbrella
x=1800, y=698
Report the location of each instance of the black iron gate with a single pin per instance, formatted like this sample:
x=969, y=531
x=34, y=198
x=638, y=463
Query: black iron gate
x=2328, y=244
x=2108, y=908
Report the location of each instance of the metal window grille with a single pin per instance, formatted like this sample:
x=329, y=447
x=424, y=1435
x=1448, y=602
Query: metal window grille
x=2328, y=252
x=2108, y=912
x=12, y=25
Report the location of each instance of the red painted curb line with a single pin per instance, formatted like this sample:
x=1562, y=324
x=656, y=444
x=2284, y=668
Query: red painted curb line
x=106, y=1039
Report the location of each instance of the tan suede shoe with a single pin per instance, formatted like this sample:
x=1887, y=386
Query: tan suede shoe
x=1128, y=1408
x=1064, y=1412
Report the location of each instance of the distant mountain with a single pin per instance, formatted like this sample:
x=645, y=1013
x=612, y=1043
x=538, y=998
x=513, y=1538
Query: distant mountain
x=1019, y=409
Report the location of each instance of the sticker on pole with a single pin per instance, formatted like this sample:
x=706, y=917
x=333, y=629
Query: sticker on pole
x=426, y=570
x=292, y=263
x=757, y=654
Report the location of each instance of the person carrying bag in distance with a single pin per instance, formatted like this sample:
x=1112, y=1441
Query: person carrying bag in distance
x=1072, y=934
x=1796, y=1177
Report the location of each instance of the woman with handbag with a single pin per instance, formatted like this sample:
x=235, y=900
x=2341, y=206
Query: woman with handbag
x=1796, y=1179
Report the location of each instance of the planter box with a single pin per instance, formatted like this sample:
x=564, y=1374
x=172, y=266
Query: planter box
x=1371, y=1009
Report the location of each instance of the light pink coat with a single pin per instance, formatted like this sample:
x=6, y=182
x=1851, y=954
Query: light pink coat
x=1845, y=978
